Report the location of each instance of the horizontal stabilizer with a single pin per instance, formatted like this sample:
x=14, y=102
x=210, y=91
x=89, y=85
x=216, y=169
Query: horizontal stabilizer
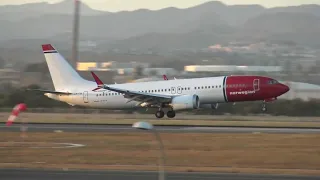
x=48, y=91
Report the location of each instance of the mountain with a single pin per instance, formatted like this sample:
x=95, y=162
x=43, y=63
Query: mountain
x=205, y=24
x=284, y=22
x=233, y=14
x=119, y=25
x=310, y=9
x=167, y=41
x=18, y=12
x=301, y=28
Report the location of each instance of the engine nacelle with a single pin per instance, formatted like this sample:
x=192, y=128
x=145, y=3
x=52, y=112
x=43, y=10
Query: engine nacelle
x=185, y=102
x=209, y=106
x=52, y=96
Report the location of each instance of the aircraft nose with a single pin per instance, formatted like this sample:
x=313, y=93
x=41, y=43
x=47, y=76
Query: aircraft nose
x=284, y=88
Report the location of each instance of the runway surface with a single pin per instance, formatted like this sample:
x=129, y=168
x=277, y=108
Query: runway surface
x=6, y=174
x=128, y=128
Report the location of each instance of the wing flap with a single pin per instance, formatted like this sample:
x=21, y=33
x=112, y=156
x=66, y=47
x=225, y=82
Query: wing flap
x=140, y=96
x=133, y=95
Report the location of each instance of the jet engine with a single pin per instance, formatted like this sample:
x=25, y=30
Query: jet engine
x=209, y=106
x=185, y=102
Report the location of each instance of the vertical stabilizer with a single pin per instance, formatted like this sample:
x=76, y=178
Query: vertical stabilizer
x=62, y=73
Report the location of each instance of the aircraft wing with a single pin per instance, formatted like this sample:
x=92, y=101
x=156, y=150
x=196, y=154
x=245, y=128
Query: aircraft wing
x=142, y=97
x=48, y=91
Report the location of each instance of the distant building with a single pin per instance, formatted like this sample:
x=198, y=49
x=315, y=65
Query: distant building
x=232, y=69
x=10, y=76
x=108, y=66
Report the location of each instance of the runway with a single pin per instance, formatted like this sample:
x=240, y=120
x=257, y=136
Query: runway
x=173, y=129
x=125, y=175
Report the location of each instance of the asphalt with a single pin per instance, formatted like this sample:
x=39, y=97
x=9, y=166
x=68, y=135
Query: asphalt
x=23, y=174
x=128, y=128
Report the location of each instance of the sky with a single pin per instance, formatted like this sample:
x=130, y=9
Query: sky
x=120, y=5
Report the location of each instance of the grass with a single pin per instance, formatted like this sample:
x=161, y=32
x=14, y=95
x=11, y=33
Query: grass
x=246, y=153
x=128, y=119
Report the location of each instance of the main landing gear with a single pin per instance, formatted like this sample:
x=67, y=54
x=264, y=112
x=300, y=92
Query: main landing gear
x=159, y=114
x=170, y=114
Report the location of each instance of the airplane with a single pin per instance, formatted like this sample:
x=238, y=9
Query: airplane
x=171, y=95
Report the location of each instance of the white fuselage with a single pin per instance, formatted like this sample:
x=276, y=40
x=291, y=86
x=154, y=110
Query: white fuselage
x=210, y=90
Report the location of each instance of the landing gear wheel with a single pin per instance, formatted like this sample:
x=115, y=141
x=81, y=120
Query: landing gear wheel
x=159, y=114
x=264, y=108
x=171, y=114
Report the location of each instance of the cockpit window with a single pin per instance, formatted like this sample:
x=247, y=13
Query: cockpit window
x=272, y=81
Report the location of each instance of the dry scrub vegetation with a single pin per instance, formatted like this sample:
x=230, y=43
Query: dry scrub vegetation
x=260, y=153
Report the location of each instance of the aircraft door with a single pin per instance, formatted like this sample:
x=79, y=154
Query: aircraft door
x=85, y=97
x=173, y=90
x=179, y=90
x=256, y=84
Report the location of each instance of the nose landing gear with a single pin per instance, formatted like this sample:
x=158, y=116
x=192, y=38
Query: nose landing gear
x=264, y=107
x=264, y=103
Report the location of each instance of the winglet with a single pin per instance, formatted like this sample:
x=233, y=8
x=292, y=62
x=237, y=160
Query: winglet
x=165, y=77
x=48, y=48
x=97, y=80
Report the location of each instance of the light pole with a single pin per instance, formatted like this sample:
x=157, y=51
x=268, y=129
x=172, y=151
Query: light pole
x=148, y=126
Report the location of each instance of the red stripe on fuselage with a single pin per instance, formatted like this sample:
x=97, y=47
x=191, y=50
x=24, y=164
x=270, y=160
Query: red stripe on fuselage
x=250, y=88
